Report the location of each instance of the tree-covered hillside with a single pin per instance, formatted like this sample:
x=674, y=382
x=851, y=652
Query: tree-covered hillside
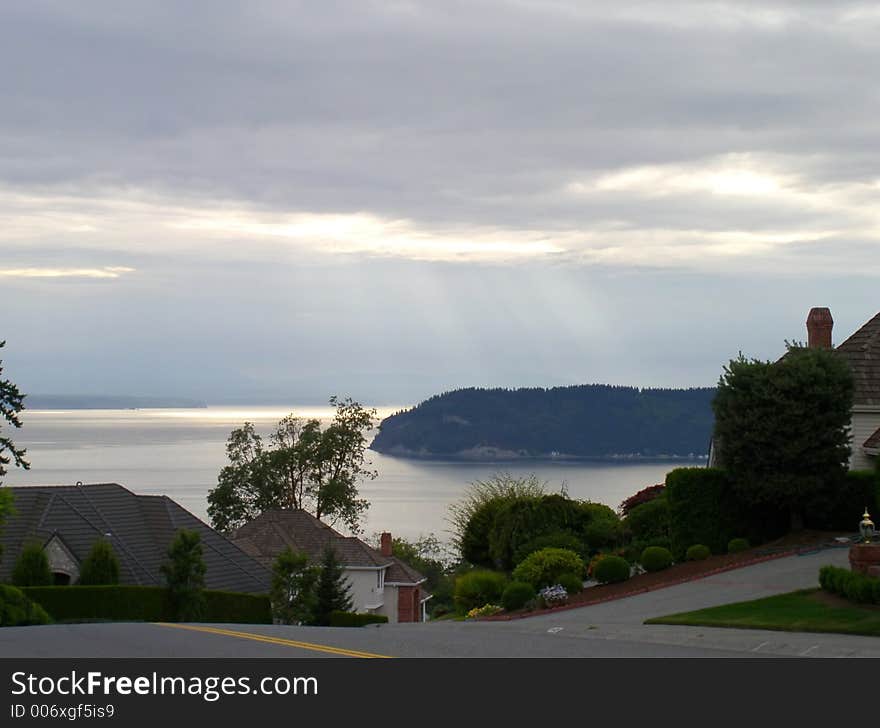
x=593, y=420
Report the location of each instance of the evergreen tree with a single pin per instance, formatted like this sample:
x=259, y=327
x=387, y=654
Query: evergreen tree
x=32, y=567
x=101, y=566
x=332, y=590
x=185, y=574
x=293, y=588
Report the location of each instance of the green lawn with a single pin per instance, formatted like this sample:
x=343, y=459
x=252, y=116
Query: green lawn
x=808, y=610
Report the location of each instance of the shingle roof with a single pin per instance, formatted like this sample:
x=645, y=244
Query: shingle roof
x=272, y=531
x=873, y=442
x=140, y=528
x=862, y=353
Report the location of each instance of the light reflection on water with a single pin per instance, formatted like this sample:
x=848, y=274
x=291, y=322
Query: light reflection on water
x=178, y=452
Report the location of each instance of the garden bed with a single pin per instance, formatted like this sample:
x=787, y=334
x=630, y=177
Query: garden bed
x=804, y=542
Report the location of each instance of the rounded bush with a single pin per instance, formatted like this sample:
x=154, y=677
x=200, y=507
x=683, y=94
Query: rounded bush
x=544, y=567
x=477, y=588
x=516, y=595
x=17, y=610
x=556, y=539
x=738, y=545
x=698, y=552
x=572, y=583
x=610, y=569
x=656, y=558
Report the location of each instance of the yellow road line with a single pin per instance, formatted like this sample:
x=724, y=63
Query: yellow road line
x=272, y=640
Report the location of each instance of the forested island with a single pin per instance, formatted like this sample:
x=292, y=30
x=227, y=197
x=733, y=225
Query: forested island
x=585, y=421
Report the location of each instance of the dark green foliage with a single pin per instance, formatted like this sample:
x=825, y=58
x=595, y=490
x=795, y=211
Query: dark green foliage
x=841, y=508
x=100, y=567
x=556, y=539
x=851, y=585
x=355, y=619
x=185, y=575
x=11, y=404
x=648, y=523
x=544, y=567
x=516, y=594
x=17, y=610
x=32, y=567
x=698, y=552
x=587, y=420
x=144, y=604
x=782, y=429
x=738, y=545
x=611, y=569
x=292, y=593
x=331, y=590
x=643, y=496
x=429, y=557
x=656, y=558
x=477, y=588
x=303, y=466
x=572, y=583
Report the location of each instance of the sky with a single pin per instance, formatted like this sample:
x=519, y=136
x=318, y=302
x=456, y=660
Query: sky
x=282, y=201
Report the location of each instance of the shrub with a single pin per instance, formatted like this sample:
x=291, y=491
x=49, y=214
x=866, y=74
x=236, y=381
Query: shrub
x=645, y=495
x=292, y=592
x=572, y=583
x=124, y=603
x=648, y=523
x=100, y=567
x=656, y=558
x=487, y=610
x=698, y=552
x=516, y=595
x=557, y=539
x=185, y=574
x=610, y=569
x=17, y=610
x=696, y=508
x=355, y=619
x=603, y=532
x=32, y=567
x=544, y=567
x=476, y=588
x=737, y=545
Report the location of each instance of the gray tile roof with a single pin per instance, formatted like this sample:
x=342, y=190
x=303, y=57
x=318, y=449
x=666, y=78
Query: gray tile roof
x=873, y=442
x=271, y=532
x=140, y=528
x=862, y=353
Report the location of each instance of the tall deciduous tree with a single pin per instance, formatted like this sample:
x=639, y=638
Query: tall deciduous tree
x=301, y=466
x=782, y=429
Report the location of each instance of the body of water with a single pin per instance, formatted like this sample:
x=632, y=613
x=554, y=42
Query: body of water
x=179, y=452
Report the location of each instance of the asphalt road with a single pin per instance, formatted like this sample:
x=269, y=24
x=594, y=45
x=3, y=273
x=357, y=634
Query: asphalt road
x=612, y=629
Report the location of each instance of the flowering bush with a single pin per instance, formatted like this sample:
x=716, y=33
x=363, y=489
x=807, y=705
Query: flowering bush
x=553, y=596
x=487, y=610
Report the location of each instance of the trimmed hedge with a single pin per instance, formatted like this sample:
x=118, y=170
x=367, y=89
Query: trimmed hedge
x=516, y=595
x=544, y=567
x=121, y=603
x=572, y=583
x=610, y=569
x=738, y=545
x=17, y=610
x=696, y=499
x=355, y=619
x=842, y=509
x=656, y=558
x=698, y=552
x=851, y=585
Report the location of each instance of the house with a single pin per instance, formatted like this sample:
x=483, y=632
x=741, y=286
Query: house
x=379, y=582
x=67, y=520
x=862, y=352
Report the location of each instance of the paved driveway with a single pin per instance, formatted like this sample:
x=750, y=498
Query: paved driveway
x=612, y=629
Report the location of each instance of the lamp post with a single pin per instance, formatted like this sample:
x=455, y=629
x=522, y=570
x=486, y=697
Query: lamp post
x=866, y=527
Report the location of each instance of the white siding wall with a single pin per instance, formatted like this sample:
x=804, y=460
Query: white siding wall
x=364, y=589
x=390, y=608
x=864, y=424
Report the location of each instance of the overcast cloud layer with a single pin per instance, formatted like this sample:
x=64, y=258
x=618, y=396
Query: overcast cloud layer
x=281, y=200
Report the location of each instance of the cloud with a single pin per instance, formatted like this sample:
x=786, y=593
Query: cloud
x=105, y=272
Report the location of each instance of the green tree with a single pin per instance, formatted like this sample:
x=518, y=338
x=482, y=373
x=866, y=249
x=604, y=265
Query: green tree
x=185, y=575
x=782, y=429
x=100, y=567
x=332, y=589
x=303, y=466
x=11, y=404
x=293, y=588
x=32, y=567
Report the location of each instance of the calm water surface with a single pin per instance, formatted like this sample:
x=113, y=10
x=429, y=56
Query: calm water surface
x=179, y=452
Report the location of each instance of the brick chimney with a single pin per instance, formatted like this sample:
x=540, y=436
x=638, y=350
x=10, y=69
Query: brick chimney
x=386, y=544
x=819, y=325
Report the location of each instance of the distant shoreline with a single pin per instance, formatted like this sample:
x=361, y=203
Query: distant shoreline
x=107, y=402
x=507, y=457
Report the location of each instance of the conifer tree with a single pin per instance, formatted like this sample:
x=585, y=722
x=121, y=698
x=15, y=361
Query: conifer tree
x=332, y=590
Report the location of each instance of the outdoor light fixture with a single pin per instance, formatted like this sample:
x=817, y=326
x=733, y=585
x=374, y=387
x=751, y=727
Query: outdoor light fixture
x=866, y=527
